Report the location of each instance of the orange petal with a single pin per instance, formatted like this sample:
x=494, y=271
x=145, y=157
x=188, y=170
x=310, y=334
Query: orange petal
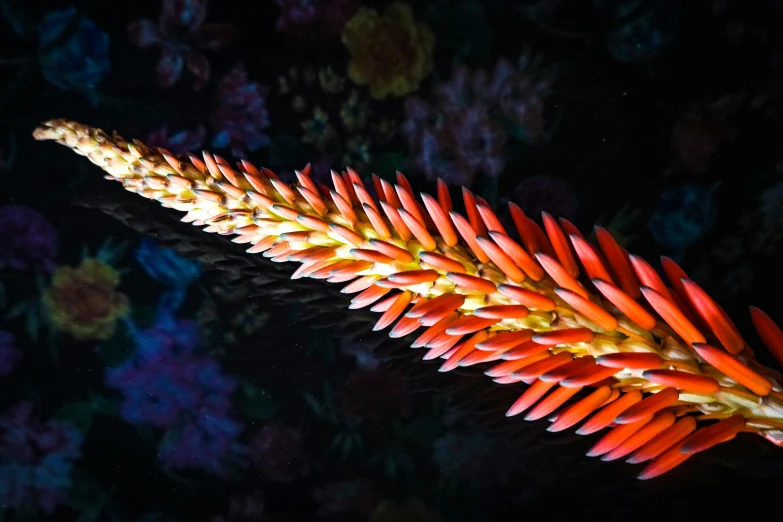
x=551, y=402
x=565, y=336
x=518, y=255
x=665, y=440
x=470, y=324
x=524, y=229
x=734, y=368
x=529, y=397
x=590, y=259
x=448, y=302
x=501, y=259
x=673, y=316
x=377, y=222
x=469, y=235
x=631, y=360
x=588, y=377
x=441, y=262
x=346, y=234
x=368, y=296
x=708, y=437
x=436, y=329
x=715, y=317
x=701, y=384
x=648, y=276
x=626, y=304
x=371, y=255
x=529, y=298
x=391, y=250
x=404, y=326
x=559, y=274
x=465, y=348
x=444, y=198
x=545, y=365
x=607, y=415
x=581, y=409
x=469, y=282
x=589, y=309
x=770, y=333
x=649, y=406
x=508, y=367
x=505, y=340
x=665, y=462
x=560, y=244
x=501, y=312
x=418, y=230
x=567, y=370
x=476, y=223
x=619, y=263
x=414, y=277
x=441, y=220
x=490, y=219
x=658, y=424
x=617, y=436
x=396, y=221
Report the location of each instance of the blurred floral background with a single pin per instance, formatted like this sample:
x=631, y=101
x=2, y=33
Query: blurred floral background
x=136, y=386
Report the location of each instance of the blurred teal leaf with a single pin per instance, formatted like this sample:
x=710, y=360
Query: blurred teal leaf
x=423, y=430
x=18, y=309
x=287, y=151
x=386, y=165
x=85, y=492
x=314, y=405
x=461, y=26
x=256, y=403
x=78, y=414
x=119, y=348
x=33, y=323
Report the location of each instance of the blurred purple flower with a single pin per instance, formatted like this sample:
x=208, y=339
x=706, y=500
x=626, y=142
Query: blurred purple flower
x=464, y=130
x=36, y=460
x=179, y=142
x=202, y=442
x=376, y=393
x=347, y=498
x=29, y=240
x=165, y=384
x=78, y=60
x=10, y=355
x=546, y=193
x=240, y=115
x=180, y=34
x=326, y=16
x=277, y=451
x=683, y=215
x=702, y=129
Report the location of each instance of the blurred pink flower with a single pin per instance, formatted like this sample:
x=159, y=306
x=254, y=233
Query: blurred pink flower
x=181, y=34
x=277, y=451
x=347, y=498
x=702, y=129
x=240, y=116
x=326, y=16
x=463, y=131
x=179, y=142
x=546, y=193
x=376, y=393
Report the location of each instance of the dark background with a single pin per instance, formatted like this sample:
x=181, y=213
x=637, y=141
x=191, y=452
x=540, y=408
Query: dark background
x=638, y=88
